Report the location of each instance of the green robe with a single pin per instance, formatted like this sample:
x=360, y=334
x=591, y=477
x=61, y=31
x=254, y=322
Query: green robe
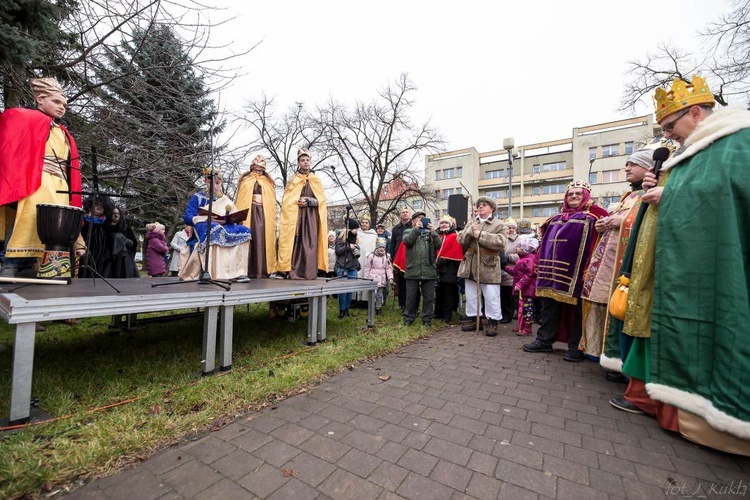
x=700, y=325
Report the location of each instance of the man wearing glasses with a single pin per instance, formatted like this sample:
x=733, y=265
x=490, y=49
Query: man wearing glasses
x=692, y=254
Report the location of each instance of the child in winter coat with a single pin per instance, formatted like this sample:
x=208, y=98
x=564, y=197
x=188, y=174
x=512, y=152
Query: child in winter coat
x=378, y=267
x=156, y=249
x=524, y=282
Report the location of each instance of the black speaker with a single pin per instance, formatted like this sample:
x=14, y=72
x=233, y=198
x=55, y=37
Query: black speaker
x=458, y=208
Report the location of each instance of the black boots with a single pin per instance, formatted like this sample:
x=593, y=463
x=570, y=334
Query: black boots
x=343, y=312
x=469, y=324
x=491, y=328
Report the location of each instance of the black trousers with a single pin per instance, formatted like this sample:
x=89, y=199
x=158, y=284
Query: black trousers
x=413, y=288
x=446, y=300
x=398, y=277
x=508, y=302
x=551, y=315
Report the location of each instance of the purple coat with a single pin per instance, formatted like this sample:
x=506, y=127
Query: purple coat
x=524, y=275
x=156, y=250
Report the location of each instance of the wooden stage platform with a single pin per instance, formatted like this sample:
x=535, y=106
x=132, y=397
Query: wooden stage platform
x=24, y=306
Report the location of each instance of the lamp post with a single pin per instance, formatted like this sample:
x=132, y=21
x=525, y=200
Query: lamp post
x=508, y=145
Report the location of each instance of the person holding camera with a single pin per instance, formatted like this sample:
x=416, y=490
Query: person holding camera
x=422, y=243
x=347, y=261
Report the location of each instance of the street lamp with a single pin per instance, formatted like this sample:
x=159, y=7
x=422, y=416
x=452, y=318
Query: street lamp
x=508, y=145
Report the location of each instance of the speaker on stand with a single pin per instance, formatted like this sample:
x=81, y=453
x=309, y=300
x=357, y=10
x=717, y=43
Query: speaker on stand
x=458, y=208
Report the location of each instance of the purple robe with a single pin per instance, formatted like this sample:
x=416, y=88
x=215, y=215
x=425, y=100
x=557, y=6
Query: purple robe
x=563, y=256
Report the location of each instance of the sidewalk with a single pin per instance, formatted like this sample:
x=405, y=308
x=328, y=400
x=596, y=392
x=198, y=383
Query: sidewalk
x=461, y=416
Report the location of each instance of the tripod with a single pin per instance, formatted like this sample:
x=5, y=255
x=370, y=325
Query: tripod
x=204, y=277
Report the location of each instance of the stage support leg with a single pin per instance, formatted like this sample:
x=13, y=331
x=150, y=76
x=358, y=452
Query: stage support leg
x=225, y=338
x=371, y=308
x=23, y=368
x=209, y=339
x=312, y=321
x=320, y=318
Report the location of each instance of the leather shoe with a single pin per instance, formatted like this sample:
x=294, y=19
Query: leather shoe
x=573, y=355
x=616, y=377
x=625, y=405
x=537, y=346
x=409, y=322
x=505, y=321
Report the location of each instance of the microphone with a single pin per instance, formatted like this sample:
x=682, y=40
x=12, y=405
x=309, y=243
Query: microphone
x=660, y=156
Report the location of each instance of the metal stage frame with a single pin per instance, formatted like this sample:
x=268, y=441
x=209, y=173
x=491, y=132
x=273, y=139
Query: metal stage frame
x=24, y=306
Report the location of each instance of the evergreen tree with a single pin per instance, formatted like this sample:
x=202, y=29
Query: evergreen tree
x=153, y=124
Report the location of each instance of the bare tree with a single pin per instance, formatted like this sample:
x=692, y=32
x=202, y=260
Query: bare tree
x=281, y=136
x=723, y=59
x=375, y=145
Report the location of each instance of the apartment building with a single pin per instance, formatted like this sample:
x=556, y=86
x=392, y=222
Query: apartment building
x=532, y=179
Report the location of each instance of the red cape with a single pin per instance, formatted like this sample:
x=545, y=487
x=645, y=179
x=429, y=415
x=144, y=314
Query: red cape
x=450, y=249
x=399, y=260
x=23, y=138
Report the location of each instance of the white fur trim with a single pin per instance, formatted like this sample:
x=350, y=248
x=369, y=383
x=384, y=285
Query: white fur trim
x=700, y=406
x=611, y=364
x=718, y=124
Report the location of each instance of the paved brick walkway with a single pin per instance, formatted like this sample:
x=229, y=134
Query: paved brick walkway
x=462, y=416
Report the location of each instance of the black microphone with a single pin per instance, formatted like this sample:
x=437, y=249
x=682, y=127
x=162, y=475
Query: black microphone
x=660, y=156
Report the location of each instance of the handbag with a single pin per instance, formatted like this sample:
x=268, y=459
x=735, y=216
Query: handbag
x=618, y=303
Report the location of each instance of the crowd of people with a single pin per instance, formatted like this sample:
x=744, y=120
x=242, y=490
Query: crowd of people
x=677, y=242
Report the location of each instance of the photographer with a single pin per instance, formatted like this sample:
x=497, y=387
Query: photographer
x=421, y=243
x=347, y=261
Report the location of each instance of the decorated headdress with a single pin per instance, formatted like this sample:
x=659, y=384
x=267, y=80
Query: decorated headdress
x=511, y=222
x=524, y=226
x=206, y=171
x=258, y=161
x=380, y=243
x=682, y=95
x=486, y=199
x=579, y=184
x=303, y=152
x=45, y=87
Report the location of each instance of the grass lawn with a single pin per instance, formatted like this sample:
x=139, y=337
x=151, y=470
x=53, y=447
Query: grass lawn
x=120, y=397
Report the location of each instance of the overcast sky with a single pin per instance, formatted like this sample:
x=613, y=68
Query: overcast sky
x=484, y=70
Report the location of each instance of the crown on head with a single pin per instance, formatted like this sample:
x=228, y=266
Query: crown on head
x=682, y=95
x=579, y=184
x=510, y=221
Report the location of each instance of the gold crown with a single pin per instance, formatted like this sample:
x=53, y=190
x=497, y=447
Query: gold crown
x=579, y=184
x=682, y=95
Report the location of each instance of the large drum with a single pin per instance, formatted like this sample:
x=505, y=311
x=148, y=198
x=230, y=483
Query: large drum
x=58, y=226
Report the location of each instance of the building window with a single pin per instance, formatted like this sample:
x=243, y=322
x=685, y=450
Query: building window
x=417, y=204
x=592, y=153
x=459, y=171
x=544, y=212
x=610, y=150
x=536, y=169
x=593, y=177
x=610, y=200
x=437, y=175
x=611, y=176
x=459, y=190
x=554, y=189
x=447, y=193
x=628, y=148
x=554, y=167
x=535, y=191
x=437, y=214
x=494, y=174
x=448, y=173
x=499, y=193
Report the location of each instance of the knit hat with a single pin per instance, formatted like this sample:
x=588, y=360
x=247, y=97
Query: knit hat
x=447, y=218
x=331, y=233
x=380, y=243
x=486, y=199
x=353, y=224
x=643, y=158
x=528, y=244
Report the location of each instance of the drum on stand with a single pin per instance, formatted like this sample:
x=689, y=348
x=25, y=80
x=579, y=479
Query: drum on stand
x=58, y=226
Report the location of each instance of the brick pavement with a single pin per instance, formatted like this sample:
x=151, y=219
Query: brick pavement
x=462, y=416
